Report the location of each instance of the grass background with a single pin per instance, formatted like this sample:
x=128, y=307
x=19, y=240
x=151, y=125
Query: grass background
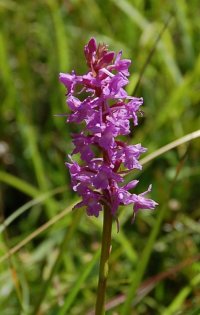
x=49, y=254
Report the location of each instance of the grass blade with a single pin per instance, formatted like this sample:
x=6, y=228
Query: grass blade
x=80, y=280
x=141, y=267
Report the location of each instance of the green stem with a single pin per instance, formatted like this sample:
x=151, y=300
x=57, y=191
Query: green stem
x=103, y=269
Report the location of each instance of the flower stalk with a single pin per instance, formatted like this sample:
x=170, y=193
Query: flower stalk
x=100, y=103
x=104, y=261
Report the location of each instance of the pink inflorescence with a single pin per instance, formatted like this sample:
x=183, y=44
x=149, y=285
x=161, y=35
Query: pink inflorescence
x=106, y=112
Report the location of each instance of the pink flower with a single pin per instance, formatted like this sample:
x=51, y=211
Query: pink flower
x=105, y=113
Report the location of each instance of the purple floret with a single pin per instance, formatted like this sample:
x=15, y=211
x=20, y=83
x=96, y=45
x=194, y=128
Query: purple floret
x=104, y=113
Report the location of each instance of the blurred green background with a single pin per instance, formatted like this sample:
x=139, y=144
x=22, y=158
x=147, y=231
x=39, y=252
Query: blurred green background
x=53, y=269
